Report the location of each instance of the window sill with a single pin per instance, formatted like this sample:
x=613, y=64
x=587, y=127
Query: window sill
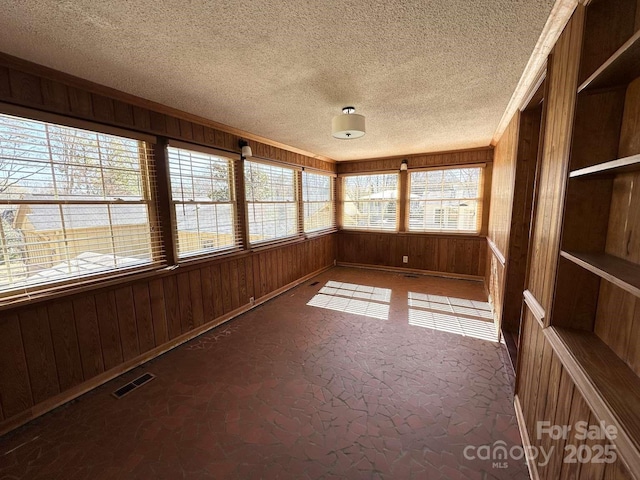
x=76, y=287
x=413, y=233
x=320, y=233
x=267, y=244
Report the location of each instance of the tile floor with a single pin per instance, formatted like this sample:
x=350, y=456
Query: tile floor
x=365, y=375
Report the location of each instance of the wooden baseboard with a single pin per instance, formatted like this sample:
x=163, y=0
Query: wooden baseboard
x=430, y=273
x=68, y=395
x=524, y=434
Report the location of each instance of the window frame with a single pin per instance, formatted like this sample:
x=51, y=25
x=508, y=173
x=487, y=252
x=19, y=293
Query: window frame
x=480, y=200
x=149, y=197
x=234, y=166
x=332, y=196
x=342, y=201
x=297, y=186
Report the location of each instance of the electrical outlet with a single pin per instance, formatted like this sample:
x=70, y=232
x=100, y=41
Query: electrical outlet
x=405, y=259
x=252, y=300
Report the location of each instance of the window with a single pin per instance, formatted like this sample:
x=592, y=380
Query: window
x=73, y=203
x=317, y=199
x=272, y=209
x=448, y=200
x=202, y=192
x=370, y=201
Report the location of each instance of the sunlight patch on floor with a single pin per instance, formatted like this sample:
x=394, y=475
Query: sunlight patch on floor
x=356, y=299
x=460, y=316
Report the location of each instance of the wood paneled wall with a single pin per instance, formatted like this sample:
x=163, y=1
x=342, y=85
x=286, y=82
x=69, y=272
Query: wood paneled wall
x=514, y=170
x=560, y=102
x=456, y=256
x=55, y=350
x=453, y=255
x=502, y=195
x=502, y=186
x=546, y=392
x=458, y=157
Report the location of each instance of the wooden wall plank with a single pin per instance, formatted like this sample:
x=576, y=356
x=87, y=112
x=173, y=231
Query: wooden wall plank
x=249, y=277
x=184, y=301
x=127, y=323
x=80, y=102
x=141, y=118
x=109, y=329
x=234, y=283
x=158, y=311
x=218, y=305
x=579, y=412
x=103, y=108
x=38, y=349
x=257, y=275
x=84, y=311
x=15, y=390
x=172, y=304
x=225, y=280
x=5, y=84
x=195, y=282
x=54, y=95
x=144, y=320
x=503, y=185
x=25, y=87
x=65, y=344
x=207, y=294
x=123, y=113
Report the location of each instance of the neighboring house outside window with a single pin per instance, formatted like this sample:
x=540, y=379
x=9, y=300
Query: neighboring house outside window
x=445, y=200
x=370, y=201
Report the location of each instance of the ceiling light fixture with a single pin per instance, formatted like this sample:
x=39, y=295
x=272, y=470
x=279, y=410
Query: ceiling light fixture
x=349, y=125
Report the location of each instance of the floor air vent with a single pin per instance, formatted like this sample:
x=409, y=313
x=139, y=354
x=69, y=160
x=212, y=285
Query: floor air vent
x=314, y=283
x=129, y=387
x=411, y=276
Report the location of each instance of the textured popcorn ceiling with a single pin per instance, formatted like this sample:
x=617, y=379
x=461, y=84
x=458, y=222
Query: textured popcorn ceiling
x=428, y=75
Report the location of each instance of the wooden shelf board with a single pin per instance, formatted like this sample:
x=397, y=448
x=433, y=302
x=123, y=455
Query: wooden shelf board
x=619, y=69
x=622, y=273
x=620, y=165
x=608, y=385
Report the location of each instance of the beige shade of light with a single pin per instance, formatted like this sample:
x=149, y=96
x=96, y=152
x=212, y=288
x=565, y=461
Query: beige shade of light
x=428, y=75
x=348, y=126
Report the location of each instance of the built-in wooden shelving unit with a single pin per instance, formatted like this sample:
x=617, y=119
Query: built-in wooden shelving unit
x=614, y=167
x=622, y=67
x=622, y=273
x=593, y=326
x=611, y=389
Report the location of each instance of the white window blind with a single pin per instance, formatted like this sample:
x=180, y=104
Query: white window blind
x=447, y=200
x=317, y=201
x=73, y=203
x=272, y=209
x=370, y=202
x=203, y=195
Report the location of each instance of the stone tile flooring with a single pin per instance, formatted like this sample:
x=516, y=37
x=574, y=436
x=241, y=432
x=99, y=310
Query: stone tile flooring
x=365, y=375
